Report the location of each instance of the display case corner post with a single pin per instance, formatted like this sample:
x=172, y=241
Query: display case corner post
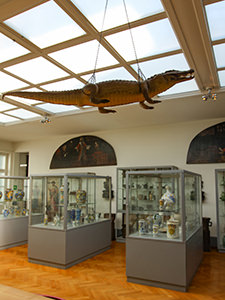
x=30, y=192
x=65, y=179
x=182, y=203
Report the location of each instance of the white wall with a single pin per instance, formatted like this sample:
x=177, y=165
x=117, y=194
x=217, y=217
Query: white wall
x=6, y=146
x=142, y=146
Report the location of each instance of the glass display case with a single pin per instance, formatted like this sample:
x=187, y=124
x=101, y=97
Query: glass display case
x=220, y=204
x=72, y=206
x=13, y=211
x=121, y=195
x=121, y=182
x=164, y=225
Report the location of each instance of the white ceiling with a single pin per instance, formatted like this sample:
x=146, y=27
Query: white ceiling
x=195, y=46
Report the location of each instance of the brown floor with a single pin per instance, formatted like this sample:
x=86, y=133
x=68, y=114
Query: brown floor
x=104, y=278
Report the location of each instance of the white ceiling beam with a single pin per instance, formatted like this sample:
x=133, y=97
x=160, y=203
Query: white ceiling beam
x=190, y=26
x=30, y=108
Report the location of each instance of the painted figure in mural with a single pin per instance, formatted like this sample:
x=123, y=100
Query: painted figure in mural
x=82, y=148
x=53, y=197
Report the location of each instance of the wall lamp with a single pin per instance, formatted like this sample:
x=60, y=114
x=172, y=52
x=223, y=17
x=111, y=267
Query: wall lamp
x=45, y=120
x=209, y=95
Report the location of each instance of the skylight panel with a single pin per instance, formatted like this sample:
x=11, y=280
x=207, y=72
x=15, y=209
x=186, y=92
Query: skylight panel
x=215, y=14
x=23, y=113
x=37, y=70
x=45, y=25
x=182, y=87
x=5, y=106
x=172, y=62
x=154, y=38
x=10, y=49
x=68, y=84
x=117, y=73
x=222, y=77
x=82, y=57
x=163, y=64
x=219, y=51
x=56, y=108
x=6, y=119
x=24, y=100
x=115, y=13
x=8, y=83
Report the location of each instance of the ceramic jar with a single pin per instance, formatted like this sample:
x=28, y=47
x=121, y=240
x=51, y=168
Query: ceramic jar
x=142, y=227
x=172, y=229
x=155, y=229
x=81, y=196
x=8, y=194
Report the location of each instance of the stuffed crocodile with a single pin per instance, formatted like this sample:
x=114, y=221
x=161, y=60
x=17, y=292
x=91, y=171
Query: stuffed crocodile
x=113, y=92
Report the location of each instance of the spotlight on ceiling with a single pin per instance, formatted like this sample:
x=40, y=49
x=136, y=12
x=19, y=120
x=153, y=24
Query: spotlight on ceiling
x=45, y=120
x=209, y=95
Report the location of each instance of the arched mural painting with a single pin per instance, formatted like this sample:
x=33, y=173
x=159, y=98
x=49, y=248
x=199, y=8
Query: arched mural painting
x=83, y=151
x=208, y=146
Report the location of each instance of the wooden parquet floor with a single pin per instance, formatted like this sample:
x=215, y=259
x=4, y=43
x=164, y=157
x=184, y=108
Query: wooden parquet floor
x=104, y=278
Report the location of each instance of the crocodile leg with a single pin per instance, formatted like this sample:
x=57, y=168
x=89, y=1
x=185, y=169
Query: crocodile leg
x=143, y=105
x=102, y=110
x=91, y=90
x=145, y=94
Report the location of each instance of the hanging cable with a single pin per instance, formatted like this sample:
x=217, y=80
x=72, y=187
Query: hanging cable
x=141, y=76
x=93, y=77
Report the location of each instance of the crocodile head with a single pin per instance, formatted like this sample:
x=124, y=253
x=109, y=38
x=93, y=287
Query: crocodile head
x=161, y=82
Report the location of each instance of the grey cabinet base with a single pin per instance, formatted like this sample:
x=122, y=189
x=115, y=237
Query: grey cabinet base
x=13, y=232
x=63, y=249
x=163, y=264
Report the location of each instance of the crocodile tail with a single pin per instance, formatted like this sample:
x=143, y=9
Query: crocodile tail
x=56, y=97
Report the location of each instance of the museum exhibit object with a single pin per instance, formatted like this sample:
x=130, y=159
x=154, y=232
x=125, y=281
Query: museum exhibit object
x=67, y=213
x=13, y=211
x=112, y=92
x=220, y=207
x=121, y=194
x=164, y=243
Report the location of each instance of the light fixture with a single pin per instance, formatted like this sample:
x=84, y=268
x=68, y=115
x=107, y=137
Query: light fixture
x=45, y=120
x=209, y=95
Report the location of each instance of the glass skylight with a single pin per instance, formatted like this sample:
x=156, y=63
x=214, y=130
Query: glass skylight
x=5, y=106
x=56, y=108
x=37, y=70
x=8, y=83
x=154, y=38
x=6, y=119
x=22, y=113
x=222, y=77
x=160, y=65
x=219, y=51
x=61, y=48
x=216, y=20
x=10, y=49
x=45, y=25
x=117, y=73
x=24, y=100
x=71, y=57
x=68, y=84
x=115, y=13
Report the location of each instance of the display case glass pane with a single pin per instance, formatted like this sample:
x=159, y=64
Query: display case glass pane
x=192, y=194
x=157, y=205
x=220, y=191
x=88, y=200
x=13, y=196
x=68, y=201
x=121, y=182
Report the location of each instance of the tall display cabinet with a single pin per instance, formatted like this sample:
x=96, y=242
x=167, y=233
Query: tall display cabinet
x=164, y=243
x=13, y=211
x=220, y=205
x=121, y=193
x=66, y=223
